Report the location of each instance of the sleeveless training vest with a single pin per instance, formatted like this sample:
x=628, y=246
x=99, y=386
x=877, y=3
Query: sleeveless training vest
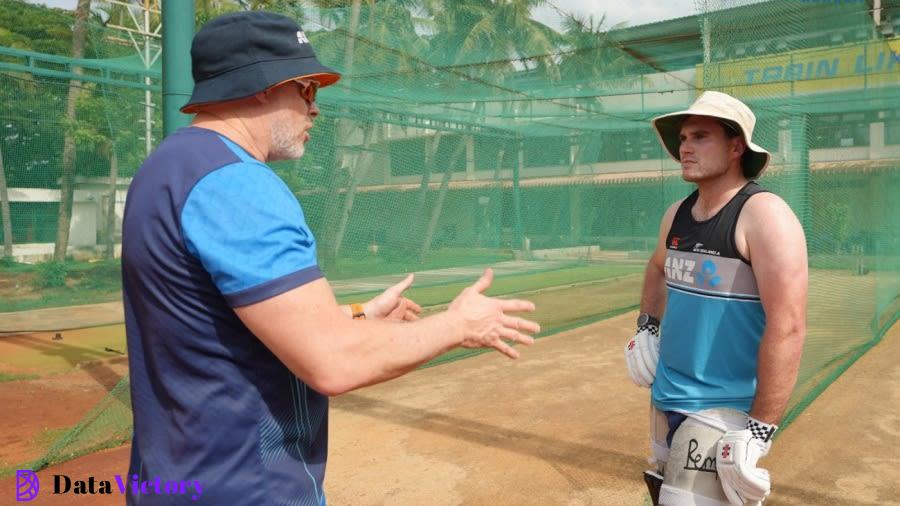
x=714, y=320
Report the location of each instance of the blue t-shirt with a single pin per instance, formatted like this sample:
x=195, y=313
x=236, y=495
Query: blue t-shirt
x=208, y=228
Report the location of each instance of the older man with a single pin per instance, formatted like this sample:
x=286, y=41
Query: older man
x=235, y=338
x=728, y=279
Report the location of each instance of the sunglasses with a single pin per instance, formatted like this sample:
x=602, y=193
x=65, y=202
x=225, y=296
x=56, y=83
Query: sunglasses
x=308, y=91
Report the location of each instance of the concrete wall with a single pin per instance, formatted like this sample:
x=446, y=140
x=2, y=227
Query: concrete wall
x=87, y=228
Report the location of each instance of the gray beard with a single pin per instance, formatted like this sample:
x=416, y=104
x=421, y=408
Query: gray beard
x=284, y=143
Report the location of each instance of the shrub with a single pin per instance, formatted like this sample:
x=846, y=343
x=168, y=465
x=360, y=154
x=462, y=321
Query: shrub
x=50, y=275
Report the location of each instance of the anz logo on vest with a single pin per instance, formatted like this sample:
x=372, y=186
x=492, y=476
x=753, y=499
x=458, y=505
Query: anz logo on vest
x=680, y=269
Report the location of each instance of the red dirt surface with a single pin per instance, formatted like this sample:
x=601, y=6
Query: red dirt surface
x=563, y=425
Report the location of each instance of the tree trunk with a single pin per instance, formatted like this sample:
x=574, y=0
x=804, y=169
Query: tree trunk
x=363, y=162
x=355, y=9
x=343, y=128
x=416, y=227
x=575, y=201
x=518, y=233
x=111, y=205
x=4, y=211
x=430, y=156
x=439, y=204
x=497, y=200
x=67, y=183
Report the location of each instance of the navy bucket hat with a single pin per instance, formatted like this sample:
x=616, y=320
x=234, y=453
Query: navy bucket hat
x=238, y=55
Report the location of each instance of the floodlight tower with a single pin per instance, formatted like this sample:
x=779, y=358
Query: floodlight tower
x=142, y=27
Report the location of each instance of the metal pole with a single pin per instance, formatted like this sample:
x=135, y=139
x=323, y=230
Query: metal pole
x=518, y=242
x=707, y=50
x=148, y=96
x=178, y=30
x=800, y=197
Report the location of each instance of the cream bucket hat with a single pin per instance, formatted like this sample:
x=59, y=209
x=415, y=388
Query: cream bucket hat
x=720, y=106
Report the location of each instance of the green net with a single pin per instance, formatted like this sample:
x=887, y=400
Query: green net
x=466, y=134
x=822, y=80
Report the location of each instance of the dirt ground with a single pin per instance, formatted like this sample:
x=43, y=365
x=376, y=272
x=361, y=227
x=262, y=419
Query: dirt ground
x=563, y=425
x=39, y=411
x=67, y=317
x=41, y=354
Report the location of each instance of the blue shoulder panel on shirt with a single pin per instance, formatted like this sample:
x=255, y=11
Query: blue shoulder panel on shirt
x=248, y=230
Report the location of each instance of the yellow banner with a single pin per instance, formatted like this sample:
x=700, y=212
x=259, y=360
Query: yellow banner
x=848, y=67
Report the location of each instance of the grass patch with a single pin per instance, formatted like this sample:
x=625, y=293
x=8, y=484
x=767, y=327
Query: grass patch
x=850, y=261
x=7, y=265
x=62, y=297
x=596, y=292
x=565, y=317
x=47, y=437
x=4, y=377
x=367, y=266
x=71, y=266
x=82, y=283
x=509, y=285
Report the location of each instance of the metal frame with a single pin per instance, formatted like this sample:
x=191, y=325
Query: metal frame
x=37, y=64
x=145, y=48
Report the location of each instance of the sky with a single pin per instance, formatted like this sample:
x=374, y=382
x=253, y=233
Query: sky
x=632, y=12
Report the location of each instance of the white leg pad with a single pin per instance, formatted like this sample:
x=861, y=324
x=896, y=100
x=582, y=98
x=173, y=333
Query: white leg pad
x=690, y=477
x=671, y=496
x=659, y=449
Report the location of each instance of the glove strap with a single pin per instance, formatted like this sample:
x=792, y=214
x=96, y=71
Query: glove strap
x=761, y=430
x=654, y=329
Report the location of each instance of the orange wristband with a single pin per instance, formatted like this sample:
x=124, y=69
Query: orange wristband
x=358, y=311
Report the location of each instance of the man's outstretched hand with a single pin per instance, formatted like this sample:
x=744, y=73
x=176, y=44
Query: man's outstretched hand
x=392, y=305
x=485, y=322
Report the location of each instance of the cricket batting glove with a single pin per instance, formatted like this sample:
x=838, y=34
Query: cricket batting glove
x=642, y=355
x=736, y=462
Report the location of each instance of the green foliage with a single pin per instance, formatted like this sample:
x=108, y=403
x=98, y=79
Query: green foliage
x=84, y=283
x=33, y=118
x=836, y=214
x=437, y=294
x=590, y=54
x=38, y=28
x=5, y=377
x=51, y=275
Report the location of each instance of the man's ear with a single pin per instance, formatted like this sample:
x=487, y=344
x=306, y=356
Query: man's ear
x=262, y=96
x=740, y=147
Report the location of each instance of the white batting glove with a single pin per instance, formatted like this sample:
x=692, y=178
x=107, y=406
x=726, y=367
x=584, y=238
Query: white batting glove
x=642, y=355
x=736, y=462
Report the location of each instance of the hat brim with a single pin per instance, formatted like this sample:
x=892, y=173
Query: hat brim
x=668, y=130
x=249, y=80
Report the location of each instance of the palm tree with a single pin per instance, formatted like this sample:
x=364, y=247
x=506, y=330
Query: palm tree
x=363, y=40
x=590, y=53
x=327, y=44
x=589, y=56
x=485, y=42
x=110, y=227
x=380, y=38
x=67, y=185
x=493, y=34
